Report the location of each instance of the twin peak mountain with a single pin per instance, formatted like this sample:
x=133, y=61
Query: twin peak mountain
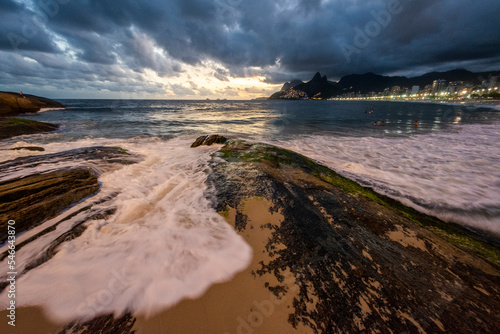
x=318, y=87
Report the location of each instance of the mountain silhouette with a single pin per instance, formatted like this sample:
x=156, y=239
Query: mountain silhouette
x=320, y=87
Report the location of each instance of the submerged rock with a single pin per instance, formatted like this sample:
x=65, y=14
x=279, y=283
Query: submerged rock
x=209, y=140
x=84, y=155
x=11, y=127
x=352, y=260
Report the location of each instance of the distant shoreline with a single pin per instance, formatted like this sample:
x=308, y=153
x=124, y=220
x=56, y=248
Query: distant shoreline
x=488, y=103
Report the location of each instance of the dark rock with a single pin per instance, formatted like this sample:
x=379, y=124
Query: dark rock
x=33, y=199
x=105, y=324
x=15, y=103
x=85, y=155
x=29, y=148
x=291, y=84
x=11, y=127
x=278, y=95
x=361, y=261
x=209, y=140
x=319, y=87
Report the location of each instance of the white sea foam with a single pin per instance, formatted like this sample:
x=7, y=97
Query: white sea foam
x=47, y=109
x=164, y=244
x=453, y=175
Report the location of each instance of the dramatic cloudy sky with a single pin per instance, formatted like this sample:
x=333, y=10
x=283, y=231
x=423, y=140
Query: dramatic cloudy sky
x=233, y=49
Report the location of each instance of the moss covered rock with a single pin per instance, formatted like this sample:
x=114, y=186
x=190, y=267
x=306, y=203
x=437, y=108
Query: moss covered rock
x=11, y=127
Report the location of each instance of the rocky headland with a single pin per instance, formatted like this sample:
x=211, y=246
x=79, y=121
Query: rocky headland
x=12, y=104
x=17, y=103
x=317, y=88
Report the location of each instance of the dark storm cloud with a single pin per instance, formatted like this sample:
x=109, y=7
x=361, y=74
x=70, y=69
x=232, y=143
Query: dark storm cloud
x=278, y=39
x=23, y=29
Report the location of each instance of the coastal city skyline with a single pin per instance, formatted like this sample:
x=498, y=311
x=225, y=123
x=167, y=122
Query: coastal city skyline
x=232, y=49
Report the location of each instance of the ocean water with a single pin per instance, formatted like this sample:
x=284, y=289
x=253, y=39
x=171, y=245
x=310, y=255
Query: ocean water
x=165, y=243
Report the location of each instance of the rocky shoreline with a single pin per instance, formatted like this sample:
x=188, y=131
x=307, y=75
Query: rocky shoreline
x=329, y=255
x=34, y=198
x=358, y=260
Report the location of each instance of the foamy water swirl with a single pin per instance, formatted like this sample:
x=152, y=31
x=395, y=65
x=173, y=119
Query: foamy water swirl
x=164, y=244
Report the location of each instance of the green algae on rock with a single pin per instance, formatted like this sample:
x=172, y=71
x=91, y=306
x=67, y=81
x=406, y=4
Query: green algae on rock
x=11, y=127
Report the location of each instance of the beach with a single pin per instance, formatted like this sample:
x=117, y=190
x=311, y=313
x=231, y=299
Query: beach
x=244, y=237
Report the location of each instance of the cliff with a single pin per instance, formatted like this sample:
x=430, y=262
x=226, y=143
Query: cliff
x=291, y=84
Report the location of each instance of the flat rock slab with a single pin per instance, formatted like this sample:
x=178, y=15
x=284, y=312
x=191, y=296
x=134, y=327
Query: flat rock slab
x=358, y=261
x=100, y=154
x=33, y=199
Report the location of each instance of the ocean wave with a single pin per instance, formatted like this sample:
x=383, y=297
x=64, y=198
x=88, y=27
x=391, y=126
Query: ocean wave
x=453, y=175
x=47, y=109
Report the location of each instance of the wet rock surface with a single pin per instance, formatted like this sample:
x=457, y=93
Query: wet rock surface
x=11, y=127
x=34, y=189
x=346, y=258
x=88, y=155
x=361, y=262
x=106, y=324
x=34, y=198
x=209, y=140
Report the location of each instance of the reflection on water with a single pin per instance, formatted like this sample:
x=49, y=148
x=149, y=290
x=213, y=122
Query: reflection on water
x=259, y=120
